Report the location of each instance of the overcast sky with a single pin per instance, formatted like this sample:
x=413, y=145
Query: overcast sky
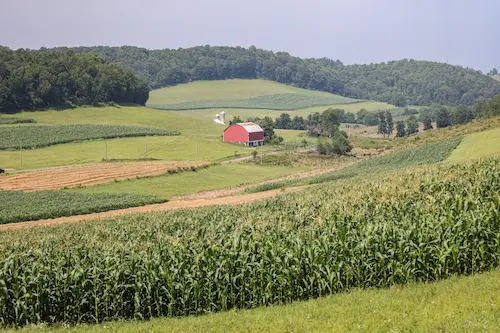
x=466, y=32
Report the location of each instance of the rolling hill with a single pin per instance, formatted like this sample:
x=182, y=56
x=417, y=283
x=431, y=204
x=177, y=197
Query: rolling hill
x=241, y=94
x=397, y=82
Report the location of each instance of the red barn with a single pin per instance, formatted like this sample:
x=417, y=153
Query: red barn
x=249, y=134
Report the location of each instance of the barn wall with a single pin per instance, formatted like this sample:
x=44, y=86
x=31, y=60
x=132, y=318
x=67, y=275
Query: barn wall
x=256, y=136
x=235, y=133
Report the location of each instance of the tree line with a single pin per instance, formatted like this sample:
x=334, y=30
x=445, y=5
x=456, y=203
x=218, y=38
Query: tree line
x=46, y=78
x=404, y=82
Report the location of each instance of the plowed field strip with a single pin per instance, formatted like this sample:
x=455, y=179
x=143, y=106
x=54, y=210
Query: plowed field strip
x=88, y=175
x=171, y=205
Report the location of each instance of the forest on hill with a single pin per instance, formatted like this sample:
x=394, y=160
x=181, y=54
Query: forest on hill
x=404, y=82
x=46, y=78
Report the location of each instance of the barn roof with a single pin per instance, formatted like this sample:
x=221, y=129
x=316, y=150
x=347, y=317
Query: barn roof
x=251, y=127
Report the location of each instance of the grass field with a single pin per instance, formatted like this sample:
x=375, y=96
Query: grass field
x=458, y=305
x=172, y=148
x=213, y=178
x=477, y=145
x=496, y=77
x=126, y=116
x=236, y=89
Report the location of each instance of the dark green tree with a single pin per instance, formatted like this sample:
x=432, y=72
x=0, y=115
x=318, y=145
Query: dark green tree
x=389, y=123
x=443, y=117
x=267, y=125
x=235, y=120
x=411, y=125
x=382, y=123
x=340, y=143
x=329, y=122
x=400, y=129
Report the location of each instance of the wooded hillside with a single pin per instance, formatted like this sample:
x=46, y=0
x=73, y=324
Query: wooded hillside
x=47, y=78
x=398, y=82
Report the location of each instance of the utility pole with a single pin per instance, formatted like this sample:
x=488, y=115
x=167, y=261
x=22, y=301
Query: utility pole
x=196, y=155
x=21, y=152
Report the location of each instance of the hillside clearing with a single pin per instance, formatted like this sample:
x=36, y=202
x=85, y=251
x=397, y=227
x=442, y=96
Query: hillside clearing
x=496, y=77
x=458, y=305
x=477, y=145
x=224, y=89
x=86, y=175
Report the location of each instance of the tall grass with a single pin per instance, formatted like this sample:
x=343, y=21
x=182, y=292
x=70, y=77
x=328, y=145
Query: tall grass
x=423, y=224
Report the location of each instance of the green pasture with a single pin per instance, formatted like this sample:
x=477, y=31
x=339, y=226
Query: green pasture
x=173, y=148
x=213, y=178
x=477, y=145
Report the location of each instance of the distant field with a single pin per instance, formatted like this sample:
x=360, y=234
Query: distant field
x=213, y=178
x=31, y=137
x=245, y=94
x=209, y=114
x=14, y=120
x=477, y=145
x=496, y=77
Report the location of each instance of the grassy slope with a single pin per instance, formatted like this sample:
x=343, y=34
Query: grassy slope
x=467, y=304
x=477, y=145
x=225, y=89
x=496, y=77
x=217, y=177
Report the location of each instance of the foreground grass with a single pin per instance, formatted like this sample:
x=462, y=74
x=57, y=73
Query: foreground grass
x=213, y=178
x=477, y=145
x=467, y=304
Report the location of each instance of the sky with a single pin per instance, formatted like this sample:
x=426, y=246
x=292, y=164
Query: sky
x=462, y=32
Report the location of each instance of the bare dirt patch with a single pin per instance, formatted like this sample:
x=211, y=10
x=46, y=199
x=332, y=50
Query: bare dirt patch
x=171, y=205
x=86, y=175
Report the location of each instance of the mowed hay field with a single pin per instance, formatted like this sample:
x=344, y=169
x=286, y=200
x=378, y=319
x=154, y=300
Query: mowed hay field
x=496, y=77
x=237, y=93
x=477, y=145
x=86, y=175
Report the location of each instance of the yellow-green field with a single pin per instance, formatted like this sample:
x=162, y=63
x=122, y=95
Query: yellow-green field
x=224, y=89
x=477, y=145
x=456, y=305
x=496, y=77
x=213, y=178
x=244, y=114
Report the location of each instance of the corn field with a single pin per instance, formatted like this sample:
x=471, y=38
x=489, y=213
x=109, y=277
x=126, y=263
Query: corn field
x=423, y=224
x=42, y=136
x=19, y=206
x=15, y=120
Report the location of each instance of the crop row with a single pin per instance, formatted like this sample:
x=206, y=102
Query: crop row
x=15, y=120
x=288, y=101
x=41, y=136
x=424, y=224
x=426, y=154
x=18, y=206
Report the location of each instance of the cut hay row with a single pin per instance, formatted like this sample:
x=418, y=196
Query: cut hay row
x=86, y=175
